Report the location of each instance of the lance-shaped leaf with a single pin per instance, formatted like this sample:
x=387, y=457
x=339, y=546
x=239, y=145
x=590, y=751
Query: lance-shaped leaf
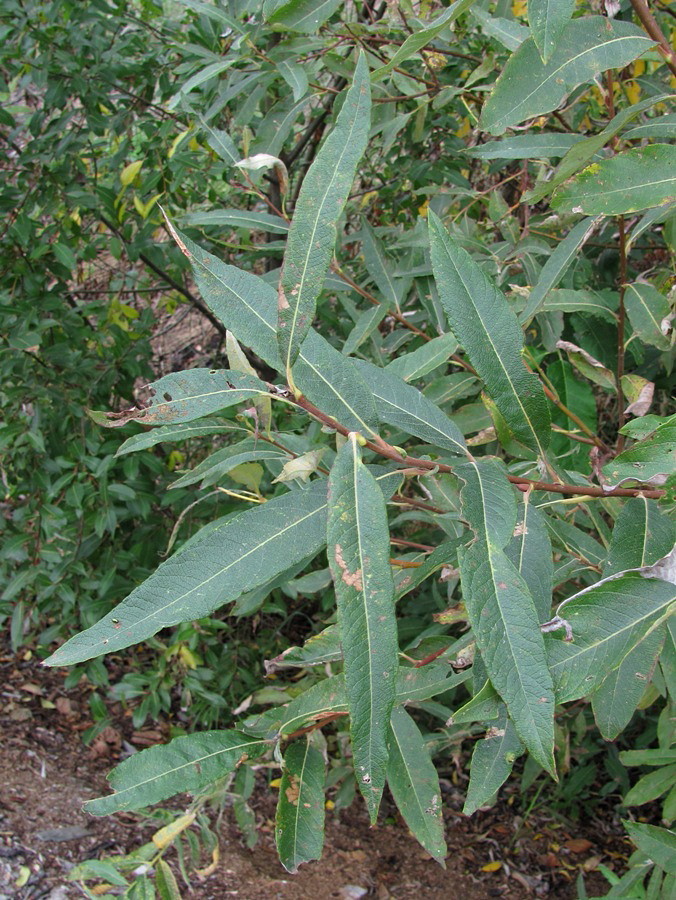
x=299, y=827
x=526, y=146
x=530, y=549
x=484, y=706
x=658, y=127
x=492, y=762
x=502, y=612
x=184, y=396
x=556, y=266
x=607, y=621
x=488, y=331
x=615, y=700
x=222, y=461
x=528, y=87
x=548, y=20
x=403, y=406
x=380, y=267
x=327, y=698
x=188, y=763
x=246, y=551
x=434, y=353
x=170, y=433
x=562, y=300
x=358, y=547
x=651, y=460
x=636, y=179
x=658, y=844
x=316, y=651
x=246, y=306
x=420, y=39
x=414, y=784
x=239, y=218
x=313, y=231
x=642, y=535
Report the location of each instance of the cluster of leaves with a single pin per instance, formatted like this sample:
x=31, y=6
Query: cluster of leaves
x=446, y=362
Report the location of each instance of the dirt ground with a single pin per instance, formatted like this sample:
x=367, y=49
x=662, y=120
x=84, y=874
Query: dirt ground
x=46, y=773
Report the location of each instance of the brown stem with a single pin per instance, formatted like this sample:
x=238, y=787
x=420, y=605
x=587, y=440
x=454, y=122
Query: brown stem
x=620, y=330
x=649, y=22
x=378, y=445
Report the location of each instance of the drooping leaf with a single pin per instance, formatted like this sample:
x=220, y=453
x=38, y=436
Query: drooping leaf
x=295, y=76
x=526, y=146
x=218, y=464
x=380, y=267
x=313, y=231
x=589, y=302
x=184, y=396
x=403, y=406
x=221, y=143
x=420, y=39
x=587, y=365
x=642, y=535
x=246, y=306
x=299, y=827
x=548, y=20
x=358, y=552
x=618, y=695
x=492, y=762
x=648, y=312
x=317, y=650
x=239, y=218
x=636, y=179
x=556, y=266
x=188, y=763
x=528, y=87
x=659, y=844
x=246, y=551
x=502, y=612
x=414, y=783
x=607, y=620
x=530, y=550
x=489, y=333
x=304, y=16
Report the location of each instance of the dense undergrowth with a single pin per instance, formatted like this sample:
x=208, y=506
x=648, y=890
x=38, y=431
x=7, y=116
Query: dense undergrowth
x=493, y=337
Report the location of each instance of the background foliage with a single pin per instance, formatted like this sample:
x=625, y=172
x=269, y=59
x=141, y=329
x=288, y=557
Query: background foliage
x=496, y=325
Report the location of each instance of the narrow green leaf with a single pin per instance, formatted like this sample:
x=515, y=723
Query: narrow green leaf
x=589, y=302
x=484, y=706
x=618, y=695
x=358, y=550
x=165, y=881
x=245, y=552
x=648, y=312
x=239, y=218
x=508, y=32
x=526, y=146
x=220, y=142
x=658, y=127
x=414, y=783
x=588, y=366
x=188, y=395
x=169, y=433
x=299, y=828
x=403, y=406
x=246, y=305
x=218, y=464
x=548, y=20
x=501, y=610
x=380, y=267
x=488, y=331
x=317, y=650
x=642, y=535
x=295, y=77
x=186, y=764
x=213, y=12
x=450, y=388
x=492, y=762
x=608, y=620
x=364, y=327
x=418, y=40
x=313, y=231
x=651, y=786
x=304, y=16
x=556, y=266
x=637, y=179
x=659, y=844
x=434, y=353
x=210, y=71
x=528, y=87
x=530, y=550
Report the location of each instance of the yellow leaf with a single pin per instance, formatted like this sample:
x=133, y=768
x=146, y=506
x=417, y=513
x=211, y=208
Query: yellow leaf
x=129, y=173
x=422, y=210
x=176, y=142
x=519, y=8
x=633, y=91
x=143, y=209
x=194, y=144
x=175, y=459
x=188, y=657
x=329, y=804
x=24, y=875
x=639, y=67
x=492, y=866
x=211, y=868
x=464, y=129
x=169, y=833
x=275, y=783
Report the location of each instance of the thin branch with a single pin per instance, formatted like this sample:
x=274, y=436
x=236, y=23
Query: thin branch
x=649, y=22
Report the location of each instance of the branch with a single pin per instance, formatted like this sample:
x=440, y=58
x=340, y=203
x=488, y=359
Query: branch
x=649, y=22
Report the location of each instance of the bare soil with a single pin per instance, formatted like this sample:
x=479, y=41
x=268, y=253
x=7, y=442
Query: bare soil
x=46, y=773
